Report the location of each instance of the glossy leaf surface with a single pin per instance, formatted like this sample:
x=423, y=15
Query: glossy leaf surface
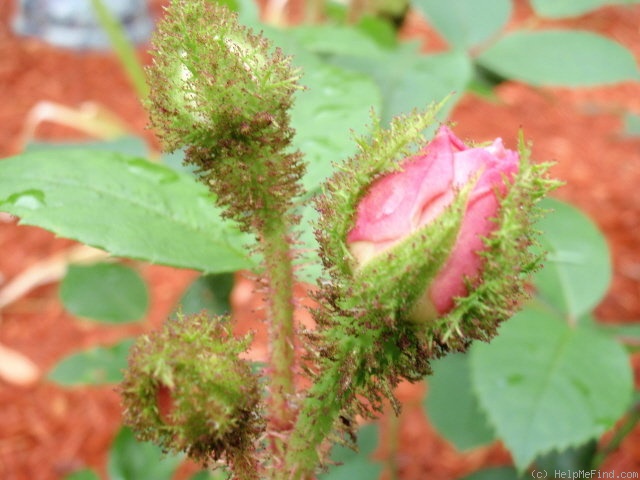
x=127, y=206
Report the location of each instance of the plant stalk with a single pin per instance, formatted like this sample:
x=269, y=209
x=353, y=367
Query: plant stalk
x=279, y=272
x=322, y=405
x=123, y=48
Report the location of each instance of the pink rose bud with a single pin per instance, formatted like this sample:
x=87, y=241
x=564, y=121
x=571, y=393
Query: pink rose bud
x=400, y=203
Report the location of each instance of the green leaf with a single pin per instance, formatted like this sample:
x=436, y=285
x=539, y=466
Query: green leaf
x=83, y=475
x=335, y=102
x=570, y=459
x=577, y=270
x=572, y=8
x=232, y=5
x=94, y=366
x=352, y=465
x=127, y=206
x=379, y=30
x=410, y=80
x=130, y=459
x=628, y=331
x=499, y=473
x=127, y=145
x=466, y=23
x=548, y=385
x=208, y=292
x=335, y=106
x=248, y=13
x=107, y=292
x=452, y=406
x=560, y=57
x=331, y=39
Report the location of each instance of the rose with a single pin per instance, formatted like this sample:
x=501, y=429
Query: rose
x=400, y=203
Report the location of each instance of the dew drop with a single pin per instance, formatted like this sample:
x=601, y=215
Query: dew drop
x=29, y=199
x=151, y=171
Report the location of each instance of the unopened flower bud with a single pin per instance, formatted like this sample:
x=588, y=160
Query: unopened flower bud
x=187, y=390
x=223, y=93
x=401, y=203
x=214, y=80
x=431, y=233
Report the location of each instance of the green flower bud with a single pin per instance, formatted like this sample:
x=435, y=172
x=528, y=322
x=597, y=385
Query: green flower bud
x=187, y=390
x=212, y=79
x=224, y=94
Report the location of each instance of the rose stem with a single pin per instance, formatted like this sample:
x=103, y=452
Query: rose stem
x=325, y=399
x=279, y=272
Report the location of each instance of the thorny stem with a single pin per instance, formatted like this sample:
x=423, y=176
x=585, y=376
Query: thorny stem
x=279, y=271
x=321, y=407
x=248, y=465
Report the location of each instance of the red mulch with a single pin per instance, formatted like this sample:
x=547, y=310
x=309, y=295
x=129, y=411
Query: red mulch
x=47, y=431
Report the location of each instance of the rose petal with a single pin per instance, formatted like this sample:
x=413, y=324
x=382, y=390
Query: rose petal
x=395, y=204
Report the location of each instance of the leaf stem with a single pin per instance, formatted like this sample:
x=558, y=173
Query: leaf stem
x=123, y=48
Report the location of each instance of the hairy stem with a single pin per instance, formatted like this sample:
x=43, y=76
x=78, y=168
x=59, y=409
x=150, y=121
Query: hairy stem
x=246, y=467
x=279, y=272
x=325, y=399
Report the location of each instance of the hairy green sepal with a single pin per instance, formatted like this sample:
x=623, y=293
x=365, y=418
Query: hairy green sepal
x=223, y=93
x=379, y=154
x=509, y=261
x=186, y=390
x=365, y=343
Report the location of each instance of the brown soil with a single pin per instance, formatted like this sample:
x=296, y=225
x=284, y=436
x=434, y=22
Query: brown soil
x=47, y=431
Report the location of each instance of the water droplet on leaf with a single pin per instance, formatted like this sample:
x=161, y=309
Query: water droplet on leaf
x=29, y=199
x=151, y=171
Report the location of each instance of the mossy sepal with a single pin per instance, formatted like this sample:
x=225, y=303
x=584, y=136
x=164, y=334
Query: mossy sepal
x=223, y=93
x=213, y=78
x=509, y=260
x=380, y=153
x=187, y=390
x=395, y=282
